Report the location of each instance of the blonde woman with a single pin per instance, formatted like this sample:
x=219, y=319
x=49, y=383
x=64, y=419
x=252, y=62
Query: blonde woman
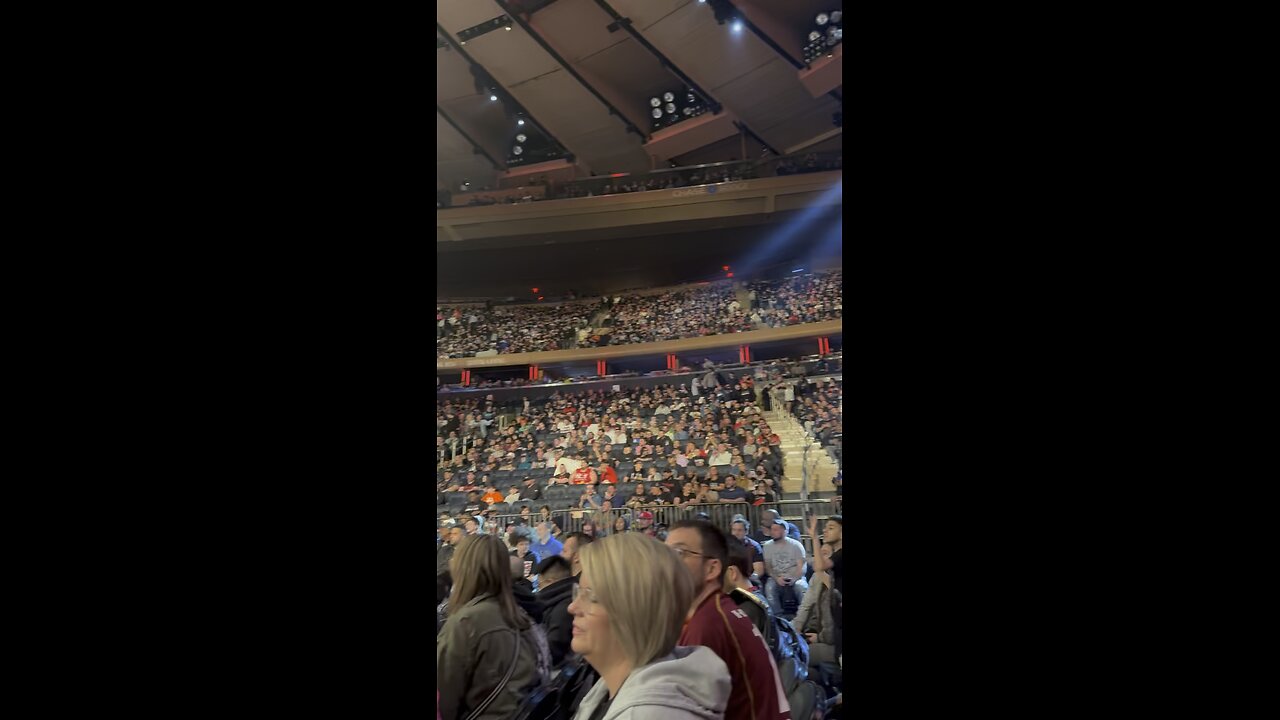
x=489, y=655
x=628, y=609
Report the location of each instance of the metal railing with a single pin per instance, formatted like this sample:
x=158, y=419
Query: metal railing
x=707, y=174
x=720, y=514
x=666, y=179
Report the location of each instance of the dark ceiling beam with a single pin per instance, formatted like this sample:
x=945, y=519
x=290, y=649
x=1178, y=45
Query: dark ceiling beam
x=475, y=145
x=743, y=127
x=764, y=37
x=625, y=23
x=524, y=24
x=528, y=117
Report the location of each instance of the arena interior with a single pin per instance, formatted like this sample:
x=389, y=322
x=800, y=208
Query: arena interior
x=639, y=343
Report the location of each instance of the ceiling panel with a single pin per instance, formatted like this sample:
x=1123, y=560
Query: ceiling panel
x=635, y=75
x=561, y=104
x=455, y=162
x=648, y=12
x=511, y=56
x=458, y=15
x=577, y=28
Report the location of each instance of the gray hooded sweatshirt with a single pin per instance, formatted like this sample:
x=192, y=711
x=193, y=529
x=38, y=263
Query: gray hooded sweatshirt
x=692, y=683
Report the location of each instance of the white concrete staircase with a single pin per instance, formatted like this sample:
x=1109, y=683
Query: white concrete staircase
x=794, y=440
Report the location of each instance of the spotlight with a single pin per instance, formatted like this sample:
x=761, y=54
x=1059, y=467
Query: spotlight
x=836, y=15
x=493, y=98
x=654, y=102
x=656, y=113
x=669, y=97
x=737, y=26
x=521, y=138
x=507, y=28
x=821, y=19
x=520, y=122
x=671, y=108
x=517, y=150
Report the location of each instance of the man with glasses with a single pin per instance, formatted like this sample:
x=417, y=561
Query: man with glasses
x=717, y=622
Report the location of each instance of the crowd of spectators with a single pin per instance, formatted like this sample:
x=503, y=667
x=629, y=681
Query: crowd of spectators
x=663, y=181
x=472, y=331
x=685, y=446
x=646, y=450
x=819, y=409
x=479, y=200
x=712, y=309
x=806, y=298
x=706, y=310
x=808, y=164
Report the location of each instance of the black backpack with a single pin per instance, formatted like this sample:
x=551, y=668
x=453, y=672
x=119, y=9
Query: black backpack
x=789, y=648
x=790, y=651
x=560, y=698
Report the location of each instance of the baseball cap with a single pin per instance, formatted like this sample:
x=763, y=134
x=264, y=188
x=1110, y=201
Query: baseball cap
x=645, y=515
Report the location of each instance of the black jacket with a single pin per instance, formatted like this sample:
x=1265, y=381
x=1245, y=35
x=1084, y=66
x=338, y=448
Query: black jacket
x=526, y=599
x=556, y=618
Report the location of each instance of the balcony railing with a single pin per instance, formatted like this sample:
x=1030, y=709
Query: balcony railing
x=664, y=179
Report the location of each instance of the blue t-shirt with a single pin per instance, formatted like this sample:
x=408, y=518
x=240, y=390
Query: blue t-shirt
x=544, y=550
x=735, y=493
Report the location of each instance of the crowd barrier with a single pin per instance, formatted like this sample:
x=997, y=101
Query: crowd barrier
x=720, y=514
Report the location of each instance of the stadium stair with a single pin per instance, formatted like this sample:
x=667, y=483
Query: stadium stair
x=794, y=440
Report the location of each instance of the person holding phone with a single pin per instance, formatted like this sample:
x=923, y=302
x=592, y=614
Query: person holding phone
x=784, y=561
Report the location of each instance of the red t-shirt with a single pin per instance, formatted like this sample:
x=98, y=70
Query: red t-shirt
x=608, y=475
x=581, y=476
x=757, y=688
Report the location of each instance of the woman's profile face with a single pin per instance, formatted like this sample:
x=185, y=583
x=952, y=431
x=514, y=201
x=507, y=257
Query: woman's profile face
x=591, y=634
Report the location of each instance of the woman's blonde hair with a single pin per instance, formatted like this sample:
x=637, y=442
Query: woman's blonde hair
x=644, y=588
x=481, y=565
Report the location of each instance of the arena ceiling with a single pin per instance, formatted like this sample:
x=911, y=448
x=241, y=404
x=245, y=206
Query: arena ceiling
x=583, y=78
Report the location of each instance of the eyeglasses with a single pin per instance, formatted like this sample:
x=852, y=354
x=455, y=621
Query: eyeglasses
x=581, y=594
x=682, y=551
